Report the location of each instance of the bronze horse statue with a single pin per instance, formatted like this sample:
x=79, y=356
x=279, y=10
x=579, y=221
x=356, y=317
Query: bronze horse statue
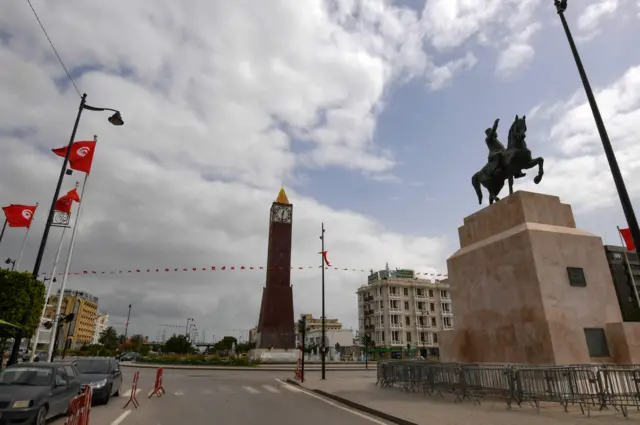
x=506, y=164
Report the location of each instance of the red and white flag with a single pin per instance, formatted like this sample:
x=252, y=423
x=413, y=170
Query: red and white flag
x=63, y=204
x=19, y=215
x=81, y=156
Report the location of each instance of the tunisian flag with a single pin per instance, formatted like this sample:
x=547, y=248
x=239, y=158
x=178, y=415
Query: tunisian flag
x=628, y=239
x=19, y=215
x=63, y=204
x=81, y=155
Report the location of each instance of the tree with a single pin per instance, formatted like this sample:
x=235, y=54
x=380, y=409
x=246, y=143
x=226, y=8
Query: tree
x=21, y=297
x=136, y=342
x=178, y=344
x=226, y=343
x=109, y=338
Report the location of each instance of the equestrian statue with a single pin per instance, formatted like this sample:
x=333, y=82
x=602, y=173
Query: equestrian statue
x=506, y=164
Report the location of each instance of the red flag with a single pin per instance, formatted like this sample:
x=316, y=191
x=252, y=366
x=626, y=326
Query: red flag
x=63, y=204
x=324, y=257
x=628, y=239
x=81, y=155
x=19, y=215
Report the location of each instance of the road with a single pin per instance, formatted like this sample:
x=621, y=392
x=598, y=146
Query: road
x=200, y=397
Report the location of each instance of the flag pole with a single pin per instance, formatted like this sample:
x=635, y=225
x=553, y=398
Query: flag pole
x=56, y=318
x=626, y=259
x=48, y=294
x=4, y=227
x=24, y=242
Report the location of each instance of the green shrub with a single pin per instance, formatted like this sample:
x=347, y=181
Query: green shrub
x=200, y=360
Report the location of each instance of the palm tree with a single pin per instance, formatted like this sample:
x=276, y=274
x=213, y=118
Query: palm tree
x=109, y=338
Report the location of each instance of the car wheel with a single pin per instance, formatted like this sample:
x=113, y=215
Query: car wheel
x=117, y=394
x=41, y=418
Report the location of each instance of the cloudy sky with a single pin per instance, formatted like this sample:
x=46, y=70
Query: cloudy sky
x=370, y=112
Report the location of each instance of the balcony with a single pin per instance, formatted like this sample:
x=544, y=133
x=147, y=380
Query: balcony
x=396, y=326
x=447, y=313
x=395, y=295
x=368, y=312
x=395, y=309
x=420, y=296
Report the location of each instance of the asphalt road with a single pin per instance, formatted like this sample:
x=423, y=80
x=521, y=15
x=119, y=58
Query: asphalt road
x=231, y=397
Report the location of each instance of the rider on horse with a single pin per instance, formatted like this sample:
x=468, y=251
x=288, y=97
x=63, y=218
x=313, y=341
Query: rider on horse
x=496, y=150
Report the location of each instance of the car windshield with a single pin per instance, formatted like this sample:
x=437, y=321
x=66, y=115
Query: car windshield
x=93, y=366
x=33, y=376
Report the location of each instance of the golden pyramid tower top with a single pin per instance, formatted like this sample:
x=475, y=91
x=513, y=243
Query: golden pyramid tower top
x=282, y=197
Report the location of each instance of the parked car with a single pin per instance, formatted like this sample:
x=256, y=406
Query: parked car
x=40, y=356
x=103, y=374
x=128, y=357
x=31, y=393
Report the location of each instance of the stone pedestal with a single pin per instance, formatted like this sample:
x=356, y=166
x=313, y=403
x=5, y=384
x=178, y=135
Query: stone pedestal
x=512, y=297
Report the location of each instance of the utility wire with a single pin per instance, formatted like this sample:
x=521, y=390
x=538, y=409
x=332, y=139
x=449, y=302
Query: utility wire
x=54, y=48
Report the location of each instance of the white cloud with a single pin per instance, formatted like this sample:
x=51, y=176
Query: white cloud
x=211, y=93
x=576, y=168
x=518, y=53
x=592, y=16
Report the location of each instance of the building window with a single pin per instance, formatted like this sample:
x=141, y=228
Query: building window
x=432, y=307
x=408, y=336
x=406, y=292
x=430, y=293
x=447, y=323
x=407, y=320
x=576, y=276
x=406, y=305
x=433, y=322
x=596, y=342
x=446, y=307
x=395, y=335
x=444, y=294
x=617, y=256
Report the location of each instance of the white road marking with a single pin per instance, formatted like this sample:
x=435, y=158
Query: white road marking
x=121, y=418
x=291, y=388
x=128, y=393
x=251, y=390
x=270, y=388
x=207, y=392
x=355, y=412
x=178, y=393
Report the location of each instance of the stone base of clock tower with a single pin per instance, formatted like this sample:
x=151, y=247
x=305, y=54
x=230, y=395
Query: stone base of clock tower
x=276, y=323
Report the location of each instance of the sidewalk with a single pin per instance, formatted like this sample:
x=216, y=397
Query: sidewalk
x=260, y=368
x=420, y=409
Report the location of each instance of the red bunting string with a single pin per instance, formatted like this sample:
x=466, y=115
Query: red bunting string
x=224, y=268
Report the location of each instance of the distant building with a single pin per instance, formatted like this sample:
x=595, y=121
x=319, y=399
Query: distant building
x=253, y=335
x=101, y=323
x=398, y=311
x=80, y=331
x=315, y=323
x=623, y=281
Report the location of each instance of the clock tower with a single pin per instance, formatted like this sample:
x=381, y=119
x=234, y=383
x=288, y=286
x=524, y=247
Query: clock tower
x=276, y=322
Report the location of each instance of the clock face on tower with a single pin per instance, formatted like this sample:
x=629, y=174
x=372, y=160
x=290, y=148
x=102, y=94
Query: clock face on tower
x=281, y=214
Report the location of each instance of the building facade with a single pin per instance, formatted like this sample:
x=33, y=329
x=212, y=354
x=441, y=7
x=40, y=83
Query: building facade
x=80, y=331
x=626, y=284
x=101, y=323
x=399, y=313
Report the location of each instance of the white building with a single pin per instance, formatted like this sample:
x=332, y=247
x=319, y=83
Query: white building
x=397, y=311
x=101, y=323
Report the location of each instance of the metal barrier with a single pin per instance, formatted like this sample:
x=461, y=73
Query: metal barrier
x=587, y=386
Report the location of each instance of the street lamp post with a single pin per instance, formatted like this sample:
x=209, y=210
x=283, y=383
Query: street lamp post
x=12, y=262
x=323, y=345
x=627, y=208
x=115, y=119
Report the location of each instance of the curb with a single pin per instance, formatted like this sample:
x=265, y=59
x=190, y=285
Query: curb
x=357, y=406
x=234, y=368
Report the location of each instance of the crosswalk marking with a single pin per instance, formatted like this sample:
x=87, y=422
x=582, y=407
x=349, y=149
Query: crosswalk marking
x=128, y=392
x=270, y=388
x=251, y=390
x=292, y=388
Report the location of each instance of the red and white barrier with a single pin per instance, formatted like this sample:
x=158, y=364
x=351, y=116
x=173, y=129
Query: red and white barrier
x=132, y=398
x=158, y=389
x=80, y=408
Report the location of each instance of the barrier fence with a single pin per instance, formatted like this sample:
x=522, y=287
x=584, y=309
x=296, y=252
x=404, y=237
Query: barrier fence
x=134, y=389
x=158, y=389
x=588, y=386
x=80, y=408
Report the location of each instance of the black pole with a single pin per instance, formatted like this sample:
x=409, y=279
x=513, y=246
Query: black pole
x=55, y=342
x=126, y=325
x=323, y=346
x=627, y=207
x=366, y=351
x=66, y=341
x=4, y=227
x=43, y=242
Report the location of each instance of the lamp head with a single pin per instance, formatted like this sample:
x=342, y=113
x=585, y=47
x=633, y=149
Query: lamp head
x=116, y=119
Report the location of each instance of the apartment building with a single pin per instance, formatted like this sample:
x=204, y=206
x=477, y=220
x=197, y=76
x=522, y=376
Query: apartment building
x=101, y=323
x=84, y=306
x=399, y=312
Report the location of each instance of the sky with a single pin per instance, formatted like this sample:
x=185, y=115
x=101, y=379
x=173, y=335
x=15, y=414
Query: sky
x=371, y=113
